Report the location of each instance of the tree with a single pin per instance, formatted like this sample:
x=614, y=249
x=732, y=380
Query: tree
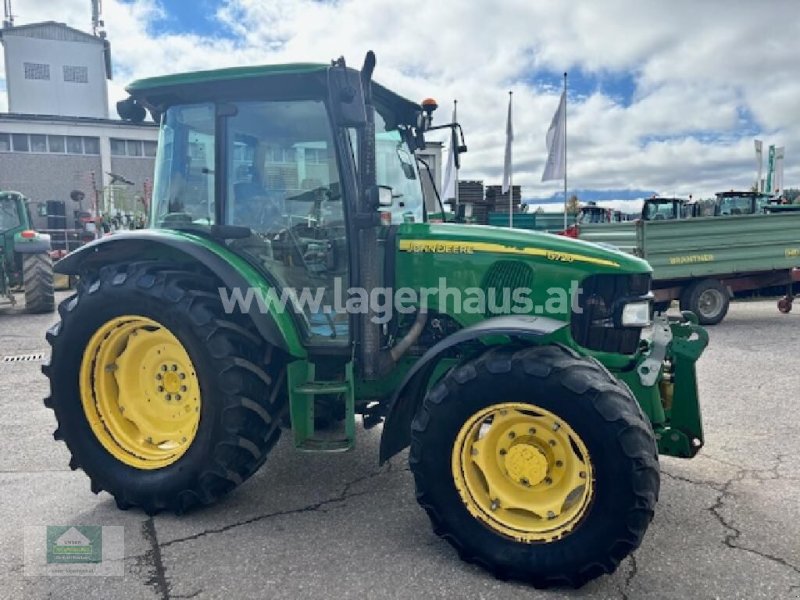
x=573, y=205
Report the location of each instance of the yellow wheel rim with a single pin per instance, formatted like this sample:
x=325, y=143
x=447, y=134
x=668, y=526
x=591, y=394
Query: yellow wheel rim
x=140, y=392
x=523, y=471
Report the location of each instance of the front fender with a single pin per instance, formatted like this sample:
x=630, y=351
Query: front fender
x=276, y=327
x=406, y=400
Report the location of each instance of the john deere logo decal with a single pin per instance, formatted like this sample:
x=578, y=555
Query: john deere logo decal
x=74, y=544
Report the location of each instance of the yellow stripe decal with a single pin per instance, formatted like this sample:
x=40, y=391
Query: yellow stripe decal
x=457, y=247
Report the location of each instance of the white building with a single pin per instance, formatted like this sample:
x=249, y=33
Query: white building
x=57, y=136
x=53, y=69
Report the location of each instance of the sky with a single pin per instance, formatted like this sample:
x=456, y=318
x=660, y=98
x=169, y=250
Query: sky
x=663, y=97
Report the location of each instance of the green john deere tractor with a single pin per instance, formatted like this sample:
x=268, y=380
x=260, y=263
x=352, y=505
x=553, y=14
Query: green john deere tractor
x=24, y=256
x=289, y=280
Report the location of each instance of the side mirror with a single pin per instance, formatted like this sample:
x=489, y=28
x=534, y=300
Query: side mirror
x=346, y=96
x=385, y=196
x=41, y=209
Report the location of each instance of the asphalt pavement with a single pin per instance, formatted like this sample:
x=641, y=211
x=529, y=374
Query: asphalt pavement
x=337, y=526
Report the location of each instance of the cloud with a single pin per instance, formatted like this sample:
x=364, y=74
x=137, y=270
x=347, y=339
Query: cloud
x=706, y=77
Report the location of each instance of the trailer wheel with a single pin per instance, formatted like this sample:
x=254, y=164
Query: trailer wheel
x=785, y=304
x=535, y=464
x=37, y=278
x=708, y=299
x=165, y=401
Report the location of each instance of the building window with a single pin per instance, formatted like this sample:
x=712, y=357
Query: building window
x=5, y=142
x=150, y=148
x=56, y=143
x=91, y=145
x=76, y=74
x=38, y=143
x=117, y=147
x=74, y=145
x=20, y=141
x=36, y=71
x=134, y=148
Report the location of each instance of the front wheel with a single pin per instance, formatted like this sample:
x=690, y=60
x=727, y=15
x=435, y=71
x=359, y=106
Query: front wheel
x=536, y=464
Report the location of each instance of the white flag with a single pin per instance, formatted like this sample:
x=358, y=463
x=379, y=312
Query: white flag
x=556, y=141
x=759, y=162
x=449, y=183
x=507, y=163
x=778, y=187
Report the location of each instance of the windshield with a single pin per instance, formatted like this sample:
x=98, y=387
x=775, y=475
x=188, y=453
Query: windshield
x=736, y=205
x=9, y=217
x=658, y=211
x=396, y=168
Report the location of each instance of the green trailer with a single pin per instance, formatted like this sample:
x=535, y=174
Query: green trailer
x=703, y=261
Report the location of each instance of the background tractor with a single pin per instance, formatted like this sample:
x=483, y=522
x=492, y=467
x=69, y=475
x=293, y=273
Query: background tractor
x=24, y=256
x=534, y=429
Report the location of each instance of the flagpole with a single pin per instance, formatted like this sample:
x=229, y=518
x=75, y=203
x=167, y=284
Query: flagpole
x=455, y=163
x=565, y=150
x=510, y=169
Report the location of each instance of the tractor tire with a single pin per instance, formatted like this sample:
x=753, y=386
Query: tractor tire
x=544, y=420
x=37, y=278
x=708, y=299
x=138, y=336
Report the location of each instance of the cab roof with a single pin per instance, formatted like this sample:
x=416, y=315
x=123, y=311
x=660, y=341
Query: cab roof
x=288, y=81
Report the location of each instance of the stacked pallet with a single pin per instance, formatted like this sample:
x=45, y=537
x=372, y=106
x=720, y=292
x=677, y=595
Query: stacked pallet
x=497, y=201
x=471, y=192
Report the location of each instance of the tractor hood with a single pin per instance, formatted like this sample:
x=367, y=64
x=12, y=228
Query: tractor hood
x=452, y=238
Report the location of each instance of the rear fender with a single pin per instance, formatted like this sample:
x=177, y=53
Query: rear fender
x=276, y=327
x=408, y=397
x=38, y=244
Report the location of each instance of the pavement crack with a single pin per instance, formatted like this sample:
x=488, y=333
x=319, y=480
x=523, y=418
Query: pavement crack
x=192, y=595
x=342, y=497
x=702, y=482
x=158, y=579
x=634, y=570
x=733, y=533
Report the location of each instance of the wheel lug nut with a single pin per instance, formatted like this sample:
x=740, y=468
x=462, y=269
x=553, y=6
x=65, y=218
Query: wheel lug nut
x=183, y=388
x=169, y=397
x=556, y=426
x=163, y=367
x=552, y=442
x=548, y=481
x=524, y=481
x=160, y=388
x=495, y=504
x=182, y=375
x=174, y=368
x=159, y=376
x=582, y=475
x=559, y=463
x=532, y=430
x=503, y=451
x=177, y=396
x=512, y=435
x=551, y=514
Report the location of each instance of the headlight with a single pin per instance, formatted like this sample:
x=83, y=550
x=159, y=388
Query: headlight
x=636, y=314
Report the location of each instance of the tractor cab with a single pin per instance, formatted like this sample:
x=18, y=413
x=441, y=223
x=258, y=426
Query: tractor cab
x=741, y=203
x=663, y=209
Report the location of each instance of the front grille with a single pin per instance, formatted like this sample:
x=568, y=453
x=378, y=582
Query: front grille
x=499, y=283
x=593, y=323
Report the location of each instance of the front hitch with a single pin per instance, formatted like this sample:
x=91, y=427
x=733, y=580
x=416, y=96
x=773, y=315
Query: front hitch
x=679, y=342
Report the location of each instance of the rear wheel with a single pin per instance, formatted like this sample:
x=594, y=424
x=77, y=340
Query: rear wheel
x=162, y=399
x=708, y=299
x=37, y=278
x=536, y=464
